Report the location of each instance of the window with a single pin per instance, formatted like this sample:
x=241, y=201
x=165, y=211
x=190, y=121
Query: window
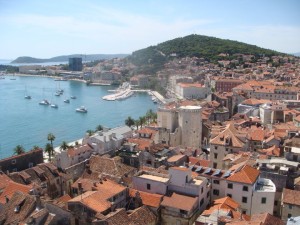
x=13, y=161
x=290, y=207
x=182, y=211
x=216, y=192
x=244, y=211
x=207, y=195
x=215, y=155
x=148, y=186
x=245, y=188
x=289, y=215
x=30, y=165
x=214, y=165
x=201, y=202
x=244, y=199
x=275, y=202
x=216, y=147
x=230, y=185
x=263, y=200
x=216, y=182
x=229, y=195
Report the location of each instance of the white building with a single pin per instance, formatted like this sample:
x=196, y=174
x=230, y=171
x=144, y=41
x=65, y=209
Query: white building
x=179, y=180
x=107, y=141
x=244, y=185
x=72, y=156
x=192, y=90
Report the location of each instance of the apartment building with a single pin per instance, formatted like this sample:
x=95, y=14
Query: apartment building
x=243, y=184
x=226, y=85
x=224, y=140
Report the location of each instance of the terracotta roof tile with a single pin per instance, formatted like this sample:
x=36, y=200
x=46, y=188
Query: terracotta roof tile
x=246, y=175
x=180, y=202
x=13, y=187
x=148, y=199
x=142, y=216
x=291, y=196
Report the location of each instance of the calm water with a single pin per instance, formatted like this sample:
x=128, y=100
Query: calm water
x=25, y=122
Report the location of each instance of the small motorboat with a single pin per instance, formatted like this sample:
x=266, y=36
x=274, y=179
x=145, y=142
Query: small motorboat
x=54, y=106
x=44, y=102
x=81, y=109
x=27, y=97
x=73, y=97
x=66, y=101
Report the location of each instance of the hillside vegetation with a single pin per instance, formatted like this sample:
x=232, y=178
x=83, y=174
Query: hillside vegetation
x=193, y=45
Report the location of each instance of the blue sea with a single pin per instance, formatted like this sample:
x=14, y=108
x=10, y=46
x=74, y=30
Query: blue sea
x=25, y=122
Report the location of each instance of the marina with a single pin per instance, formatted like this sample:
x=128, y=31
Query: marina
x=32, y=121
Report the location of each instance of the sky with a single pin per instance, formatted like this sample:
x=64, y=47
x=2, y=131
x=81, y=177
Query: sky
x=48, y=28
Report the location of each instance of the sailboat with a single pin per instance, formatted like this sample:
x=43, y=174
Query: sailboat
x=53, y=105
x=26, y=95
x=44, y=101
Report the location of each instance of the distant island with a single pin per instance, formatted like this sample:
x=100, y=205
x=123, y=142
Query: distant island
x=65, y=58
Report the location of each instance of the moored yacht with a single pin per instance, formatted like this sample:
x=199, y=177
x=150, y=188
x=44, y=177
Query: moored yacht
x=54, y=106
x=44, y=102
x=81, y=109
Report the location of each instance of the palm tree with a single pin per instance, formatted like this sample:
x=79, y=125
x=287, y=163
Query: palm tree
x=137, y=123
x=19, y=149
x=64, y=146
x=142, y=120
x=48, y=149
x=129, y=121
x=35, y=147
x=90, y=132
x=51, y=138
x=99, y=128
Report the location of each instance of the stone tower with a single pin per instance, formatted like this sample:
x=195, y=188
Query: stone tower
x=190, y=124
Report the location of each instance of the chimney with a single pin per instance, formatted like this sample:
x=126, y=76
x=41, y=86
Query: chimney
x=80, y=186
x=6, y=199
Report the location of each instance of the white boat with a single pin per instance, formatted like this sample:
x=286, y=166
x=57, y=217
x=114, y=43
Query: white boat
x=57, y=94
x=81, y=109
x=66, y=101
x=44, y=102
x=54, y=106
x=73, y=97
x=27, y=96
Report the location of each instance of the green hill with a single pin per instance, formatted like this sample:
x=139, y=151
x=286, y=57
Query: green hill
x=65, y=58
x=193, y=45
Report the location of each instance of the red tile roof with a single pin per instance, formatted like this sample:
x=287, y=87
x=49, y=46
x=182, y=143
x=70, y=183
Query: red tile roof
x=291, y=196
x=13, y=187
x=148, y=199
x=246, y=175
x=178, y=201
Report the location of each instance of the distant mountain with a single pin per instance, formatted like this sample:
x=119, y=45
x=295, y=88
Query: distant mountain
x=296, y=54
x=194, y=45
x=65, y=58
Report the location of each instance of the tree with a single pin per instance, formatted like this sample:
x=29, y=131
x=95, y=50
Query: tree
x=142, y=120
x=99, y=128
x=19, y=149
x=48, y=149
x=90, y=132
x=64, y=146
x=51, y=138
x=129, y=121
x=137, y=123
x=35, y=147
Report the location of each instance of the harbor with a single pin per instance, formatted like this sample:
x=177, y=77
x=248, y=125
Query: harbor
x=125, y=91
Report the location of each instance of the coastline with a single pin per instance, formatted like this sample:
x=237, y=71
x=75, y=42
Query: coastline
x=40, y=75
